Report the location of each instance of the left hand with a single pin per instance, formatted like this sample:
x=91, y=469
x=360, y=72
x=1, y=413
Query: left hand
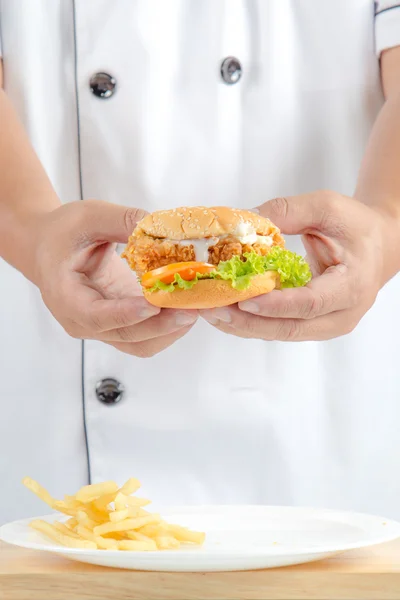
x=88, y=288
x=352, y=249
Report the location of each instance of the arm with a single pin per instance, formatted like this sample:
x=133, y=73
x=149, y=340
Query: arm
x=68, y=252
x=25, y=190
x=353, y=244
x=379, y=179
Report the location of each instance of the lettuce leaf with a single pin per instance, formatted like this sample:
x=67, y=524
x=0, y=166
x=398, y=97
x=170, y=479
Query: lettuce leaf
x=292, y=269
x=177, y=283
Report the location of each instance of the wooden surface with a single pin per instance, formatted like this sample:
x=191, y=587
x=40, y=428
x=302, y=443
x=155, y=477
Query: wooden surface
x=372, y=574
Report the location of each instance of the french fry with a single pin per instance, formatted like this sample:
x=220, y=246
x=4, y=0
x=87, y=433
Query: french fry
x=65, y=540
x=137, y=546
x=106, y=544
x=166, y=542
x=102, y=502
x=94, y=514
x=88, y=493
x=61, y=507
x=186, y=535
x=103, y=517
x=153, y=530
x=102, y=543
x=84, y=520
x=132, y=500
x=116, y=535
x=121, y=496
x=37, y=489
x=125, y=513
x=71, y=502
x=126, y=525
x=130, y=487
x=119, y=501
x=139, y=537
x=64, y=529
x=71, y=523
x=119, y=515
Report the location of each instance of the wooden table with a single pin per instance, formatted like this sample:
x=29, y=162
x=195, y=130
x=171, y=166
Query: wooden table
x=363, y=575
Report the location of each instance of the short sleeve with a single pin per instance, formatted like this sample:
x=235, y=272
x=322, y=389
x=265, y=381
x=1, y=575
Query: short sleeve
x=387, y=25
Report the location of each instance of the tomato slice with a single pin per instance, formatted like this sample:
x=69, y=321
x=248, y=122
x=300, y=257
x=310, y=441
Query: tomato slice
x=187, y=270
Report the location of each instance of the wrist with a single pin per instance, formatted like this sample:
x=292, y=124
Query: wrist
x=390, y=240
x=20, y=235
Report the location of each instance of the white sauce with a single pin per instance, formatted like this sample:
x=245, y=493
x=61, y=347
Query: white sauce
x=253, y=238
x=244, y=233
x=244, y=230
x=265, y=240
x=200, y=247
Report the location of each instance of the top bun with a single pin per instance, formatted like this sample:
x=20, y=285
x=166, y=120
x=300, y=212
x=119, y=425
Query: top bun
x=197, y=222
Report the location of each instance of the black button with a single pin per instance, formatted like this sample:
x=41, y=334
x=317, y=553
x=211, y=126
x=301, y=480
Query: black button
x=103, y=85
x=109, y=391
x=231, y=70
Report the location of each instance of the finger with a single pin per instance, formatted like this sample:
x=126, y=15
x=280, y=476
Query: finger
x=87, y=308
x=323, y=252
x=295, y=330
x=106, y=222
x=318, y=211
x=149, y=348
x=332, y=291
x=120, y=313
x=167, y=322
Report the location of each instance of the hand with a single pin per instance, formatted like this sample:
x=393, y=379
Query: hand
x=89, y=289
x=352, y=251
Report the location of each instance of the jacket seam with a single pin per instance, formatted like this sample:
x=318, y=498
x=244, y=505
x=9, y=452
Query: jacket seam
x=83, y=387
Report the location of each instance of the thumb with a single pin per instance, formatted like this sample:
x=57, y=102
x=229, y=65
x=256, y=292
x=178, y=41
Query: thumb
x=295, y=214
x=107, y=222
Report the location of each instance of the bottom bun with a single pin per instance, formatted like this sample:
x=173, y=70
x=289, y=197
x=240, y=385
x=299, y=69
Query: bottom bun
x=213, y=293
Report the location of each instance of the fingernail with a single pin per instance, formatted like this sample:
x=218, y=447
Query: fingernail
x=248, y=306
x=221, y=314
x=254, y=210
x=341, y=268
x=209, y=317
x=182, y=319
x=148, y=311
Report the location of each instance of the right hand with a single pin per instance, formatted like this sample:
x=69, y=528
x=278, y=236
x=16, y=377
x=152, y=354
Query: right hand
x=89, y=289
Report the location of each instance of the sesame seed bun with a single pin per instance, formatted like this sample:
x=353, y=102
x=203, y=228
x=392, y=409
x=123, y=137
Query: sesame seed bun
x=213, y=293
x=197, y=222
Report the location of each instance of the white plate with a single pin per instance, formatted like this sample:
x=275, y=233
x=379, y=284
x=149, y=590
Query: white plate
x=238, y=538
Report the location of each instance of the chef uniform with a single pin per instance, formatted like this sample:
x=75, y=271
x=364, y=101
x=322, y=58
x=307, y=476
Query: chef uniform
x=161, y=103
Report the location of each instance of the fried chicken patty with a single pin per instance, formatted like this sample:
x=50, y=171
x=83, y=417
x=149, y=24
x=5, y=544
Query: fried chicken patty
x=145, y=253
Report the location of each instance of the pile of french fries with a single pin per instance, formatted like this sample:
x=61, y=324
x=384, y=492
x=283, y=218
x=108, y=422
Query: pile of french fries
x=106, y=517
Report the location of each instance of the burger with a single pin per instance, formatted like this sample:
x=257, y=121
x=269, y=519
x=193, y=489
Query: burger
x=199, y=257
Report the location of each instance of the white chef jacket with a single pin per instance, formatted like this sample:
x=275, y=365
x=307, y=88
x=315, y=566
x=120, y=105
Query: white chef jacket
x=213, y=419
